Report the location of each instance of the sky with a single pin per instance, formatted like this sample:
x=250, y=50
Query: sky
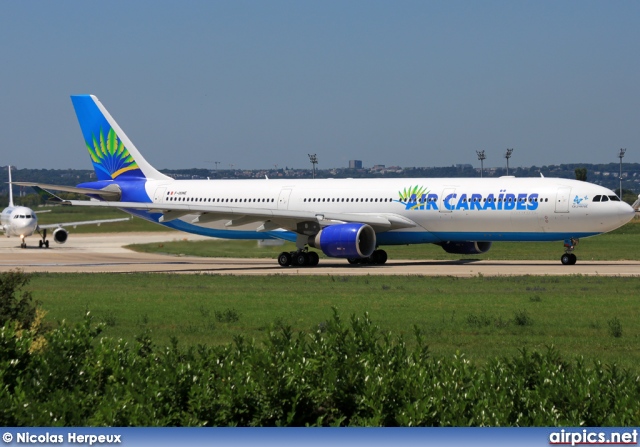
x=259, y=84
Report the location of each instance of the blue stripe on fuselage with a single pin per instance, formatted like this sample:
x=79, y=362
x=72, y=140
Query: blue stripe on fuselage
x=181, y=225
x=387, y=238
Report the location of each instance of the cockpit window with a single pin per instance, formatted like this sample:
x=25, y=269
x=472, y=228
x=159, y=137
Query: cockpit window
x=604, y=199
x=614, y=198
x=597, y=198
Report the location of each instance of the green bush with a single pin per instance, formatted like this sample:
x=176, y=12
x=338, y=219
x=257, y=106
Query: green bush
x=347, y=374
x=615, y=327
x=15, y=304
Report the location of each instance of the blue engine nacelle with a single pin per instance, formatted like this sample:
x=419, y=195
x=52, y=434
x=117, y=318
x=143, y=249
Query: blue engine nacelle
x=466, y=247
x=349, y=240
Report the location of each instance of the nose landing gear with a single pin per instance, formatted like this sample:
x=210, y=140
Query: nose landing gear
x=43, y=242
x=568, y=258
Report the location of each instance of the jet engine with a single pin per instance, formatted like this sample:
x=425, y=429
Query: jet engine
x=466, y=247
x=349, y=240
x=60, y=235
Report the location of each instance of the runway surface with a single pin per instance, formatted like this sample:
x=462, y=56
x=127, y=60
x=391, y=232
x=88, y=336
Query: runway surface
x=105, y=253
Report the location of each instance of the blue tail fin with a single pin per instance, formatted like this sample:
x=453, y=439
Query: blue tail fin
x=112, y=153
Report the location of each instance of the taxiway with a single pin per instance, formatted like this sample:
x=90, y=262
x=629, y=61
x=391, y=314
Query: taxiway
x=92, y=253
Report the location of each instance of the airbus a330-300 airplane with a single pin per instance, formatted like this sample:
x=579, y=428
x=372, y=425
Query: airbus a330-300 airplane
x=21, y=222
x=345, y=218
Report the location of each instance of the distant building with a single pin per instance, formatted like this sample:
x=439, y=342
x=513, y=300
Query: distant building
x=355, y=164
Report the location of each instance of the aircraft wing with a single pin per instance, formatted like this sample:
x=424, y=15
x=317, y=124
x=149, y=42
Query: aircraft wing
x=265, y=219
x=84, y=222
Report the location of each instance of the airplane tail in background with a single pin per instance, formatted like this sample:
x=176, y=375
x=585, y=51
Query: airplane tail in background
x=112, y=153
x=10, y=188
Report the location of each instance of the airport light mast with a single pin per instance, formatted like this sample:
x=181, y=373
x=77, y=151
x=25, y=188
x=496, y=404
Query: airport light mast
x=481, y=157
x=621, y=155
x=314, y=161
x=508, y=156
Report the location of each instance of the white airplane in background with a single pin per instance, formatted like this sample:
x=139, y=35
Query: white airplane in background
x=345, y=218
x=21, y=221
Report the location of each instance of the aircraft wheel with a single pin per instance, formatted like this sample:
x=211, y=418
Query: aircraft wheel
x=40, y=243
x=566, y=259
x=353, y=261
x=301, y=259
x=379, y=257
x=284, y=259
x=46, y=244
x=314, y=259
x=574, y=259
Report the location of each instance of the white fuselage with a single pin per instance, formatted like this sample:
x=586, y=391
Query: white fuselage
x=19, y=221
x=443, y=209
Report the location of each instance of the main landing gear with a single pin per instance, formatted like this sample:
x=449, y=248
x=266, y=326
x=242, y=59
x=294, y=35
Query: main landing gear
x=378, y=257
x=305, y=258
x=298, y=258
x=568, y=258
x=43, y=242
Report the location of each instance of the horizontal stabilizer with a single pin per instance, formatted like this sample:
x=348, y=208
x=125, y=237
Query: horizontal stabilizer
x=46, y=195
x=111, y=193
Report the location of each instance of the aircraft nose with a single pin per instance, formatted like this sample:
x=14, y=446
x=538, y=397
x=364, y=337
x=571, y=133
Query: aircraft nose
x=28, y=226
x=625, y=213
